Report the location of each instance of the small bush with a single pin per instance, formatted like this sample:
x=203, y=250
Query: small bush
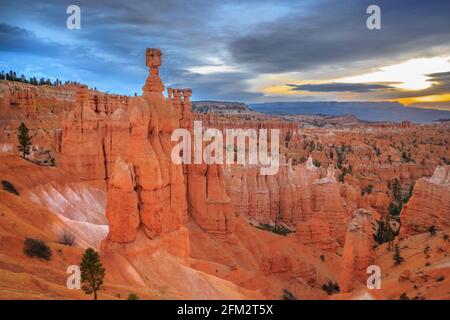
x=367, y=189
x=37, y=248
x=67, y=239
x=432, y=230
x=440, y=278
x=403, y=296
x=317, y=163
x=344, y=172
x=287, y=295
x=331, y=287
x=278, y=229
x=133, y=296
x=394, y=209
x=8, y=186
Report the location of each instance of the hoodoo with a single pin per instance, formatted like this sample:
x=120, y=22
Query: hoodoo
x=168, y=229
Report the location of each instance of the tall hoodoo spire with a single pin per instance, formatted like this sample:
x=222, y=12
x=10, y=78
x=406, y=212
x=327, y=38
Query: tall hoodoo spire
x=187, y=98
x=153, y=60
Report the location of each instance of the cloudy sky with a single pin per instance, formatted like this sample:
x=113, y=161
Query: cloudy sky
x=245, y=50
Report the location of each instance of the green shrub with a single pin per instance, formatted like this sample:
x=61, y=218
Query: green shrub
x=287, y=295
x=409, y=194
x=331, y=287
x=406, y=157
x=403, y=296
x=440, y=278
x=367, y=189
x=384, y=234
x=394, y=209
x=287, y=139
x=37, y=248
x=133, y=296
x=344, y=172
x=317, y=163
x=432, y=230
x=8, y=186
x=278, y=229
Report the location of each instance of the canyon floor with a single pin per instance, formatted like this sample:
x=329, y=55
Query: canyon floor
x=348, y=195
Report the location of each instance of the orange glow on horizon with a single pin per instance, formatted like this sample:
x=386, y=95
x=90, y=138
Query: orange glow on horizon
x=431, y=98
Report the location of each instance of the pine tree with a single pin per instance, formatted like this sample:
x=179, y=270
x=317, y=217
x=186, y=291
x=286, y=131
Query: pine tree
x=92, y=272
x=24, y=140
x=396, y=190
x=389, y=234
x=397, y=257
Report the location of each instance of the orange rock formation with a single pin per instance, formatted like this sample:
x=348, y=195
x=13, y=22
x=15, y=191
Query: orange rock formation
x=157, y=223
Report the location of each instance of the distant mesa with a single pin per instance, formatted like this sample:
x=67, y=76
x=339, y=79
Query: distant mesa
x=368, y=111
x=220, y=107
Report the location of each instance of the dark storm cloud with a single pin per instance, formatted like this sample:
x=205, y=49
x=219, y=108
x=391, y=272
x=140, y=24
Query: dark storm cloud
x=114, y=35
x=440, y=84
x=217, y=86
x=108, y=51
x=340, y=87
x=440, y=78
x=336, y=34
x=16, y=39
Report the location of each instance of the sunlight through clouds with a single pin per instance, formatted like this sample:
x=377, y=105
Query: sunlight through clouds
x=409, y=75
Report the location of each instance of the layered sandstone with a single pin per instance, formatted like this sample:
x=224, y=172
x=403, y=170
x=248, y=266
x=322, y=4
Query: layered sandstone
x=145, y=181
x=358, y=250
x=317, y=232
x=429, y=204
x=171, y=222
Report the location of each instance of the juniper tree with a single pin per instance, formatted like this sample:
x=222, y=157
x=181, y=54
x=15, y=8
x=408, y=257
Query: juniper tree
x=92, y=272
x=24, y=140
x=397, y=257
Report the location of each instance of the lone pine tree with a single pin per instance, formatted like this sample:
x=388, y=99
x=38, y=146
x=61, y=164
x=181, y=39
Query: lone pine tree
x=92, y=272
x=24, y=140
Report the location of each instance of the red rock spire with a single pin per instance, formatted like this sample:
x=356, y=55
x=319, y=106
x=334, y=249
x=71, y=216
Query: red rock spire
x=153, y=59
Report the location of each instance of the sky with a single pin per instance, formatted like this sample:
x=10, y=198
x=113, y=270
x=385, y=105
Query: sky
x=245, y=50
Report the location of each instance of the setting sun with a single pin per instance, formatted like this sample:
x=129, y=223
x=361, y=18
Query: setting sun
x=409, y=75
